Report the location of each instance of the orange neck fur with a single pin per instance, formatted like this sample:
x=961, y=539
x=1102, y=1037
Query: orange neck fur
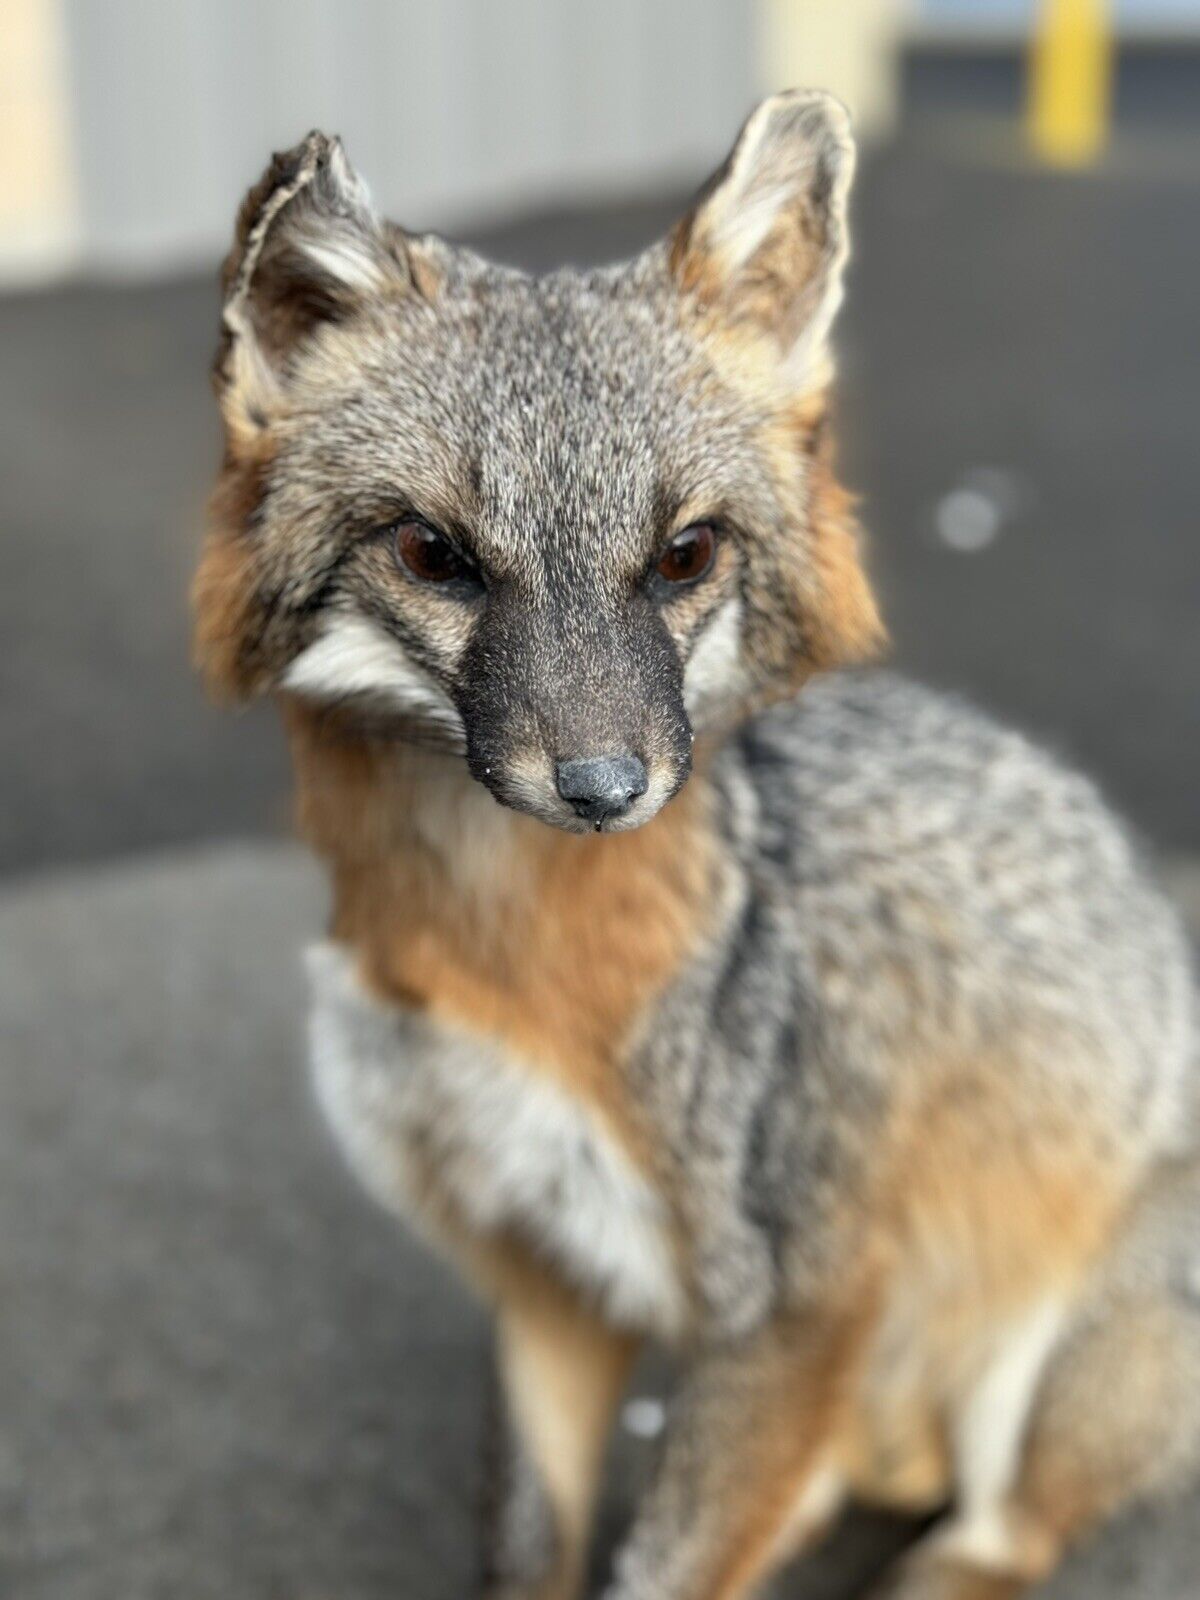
x=552, y=943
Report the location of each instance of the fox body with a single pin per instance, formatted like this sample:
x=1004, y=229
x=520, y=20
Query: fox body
x=862, y=1071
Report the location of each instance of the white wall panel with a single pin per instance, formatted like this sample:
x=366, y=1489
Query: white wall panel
x=451, y=108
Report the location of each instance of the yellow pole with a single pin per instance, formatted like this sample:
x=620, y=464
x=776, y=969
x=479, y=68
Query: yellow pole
x=1070, y=81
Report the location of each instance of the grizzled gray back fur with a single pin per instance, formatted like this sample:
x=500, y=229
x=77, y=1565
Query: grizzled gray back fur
x=913, y=881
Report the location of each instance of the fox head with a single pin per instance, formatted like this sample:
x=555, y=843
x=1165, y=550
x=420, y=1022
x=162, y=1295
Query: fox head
x=554, y=526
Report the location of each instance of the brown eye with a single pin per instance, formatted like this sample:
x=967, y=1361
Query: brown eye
x=689, y=554
x=428, y=556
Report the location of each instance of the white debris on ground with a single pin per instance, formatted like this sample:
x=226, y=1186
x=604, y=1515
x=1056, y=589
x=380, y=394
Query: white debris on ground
x=644, y=1417
x=973, y=514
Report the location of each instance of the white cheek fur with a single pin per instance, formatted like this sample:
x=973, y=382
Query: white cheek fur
x=355, y=656
x=714, y=674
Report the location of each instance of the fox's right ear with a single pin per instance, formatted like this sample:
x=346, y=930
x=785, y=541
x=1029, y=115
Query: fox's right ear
x=308, y=248
x=764, y=248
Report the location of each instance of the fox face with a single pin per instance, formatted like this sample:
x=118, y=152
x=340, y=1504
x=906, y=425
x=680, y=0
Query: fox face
x=555, y=527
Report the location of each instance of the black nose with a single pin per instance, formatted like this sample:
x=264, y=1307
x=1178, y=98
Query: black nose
x=601, y=786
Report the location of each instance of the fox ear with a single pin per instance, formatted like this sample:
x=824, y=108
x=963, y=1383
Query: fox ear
x=765, y=246
x=308, y=248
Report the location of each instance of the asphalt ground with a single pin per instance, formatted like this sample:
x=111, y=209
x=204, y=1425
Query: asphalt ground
x=222, y=1373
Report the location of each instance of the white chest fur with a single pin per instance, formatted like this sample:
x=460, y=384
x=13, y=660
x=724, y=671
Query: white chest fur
x=509, y=1148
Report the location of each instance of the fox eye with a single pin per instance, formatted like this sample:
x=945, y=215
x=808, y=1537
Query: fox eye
x=689, y=554
x=423, y=552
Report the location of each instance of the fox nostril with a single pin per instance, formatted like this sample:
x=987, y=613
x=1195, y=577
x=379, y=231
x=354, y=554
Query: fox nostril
x=601, y=786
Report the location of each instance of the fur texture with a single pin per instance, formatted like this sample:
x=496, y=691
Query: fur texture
x=863, y=1071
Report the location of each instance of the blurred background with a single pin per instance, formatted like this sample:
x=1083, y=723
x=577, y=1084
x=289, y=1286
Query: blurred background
x=220, y=1373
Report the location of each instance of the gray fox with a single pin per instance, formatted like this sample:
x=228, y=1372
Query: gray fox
x=820, y=1030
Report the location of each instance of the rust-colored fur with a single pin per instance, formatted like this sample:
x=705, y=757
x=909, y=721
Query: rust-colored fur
x=230, y=617
x=560, y=962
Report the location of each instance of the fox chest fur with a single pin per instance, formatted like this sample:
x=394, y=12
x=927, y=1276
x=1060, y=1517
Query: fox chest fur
x=463, y=1135
x=475, y=1012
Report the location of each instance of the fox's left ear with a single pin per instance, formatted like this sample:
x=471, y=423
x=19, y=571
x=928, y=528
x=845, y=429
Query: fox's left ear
x=764, y=248
x=758, y=265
